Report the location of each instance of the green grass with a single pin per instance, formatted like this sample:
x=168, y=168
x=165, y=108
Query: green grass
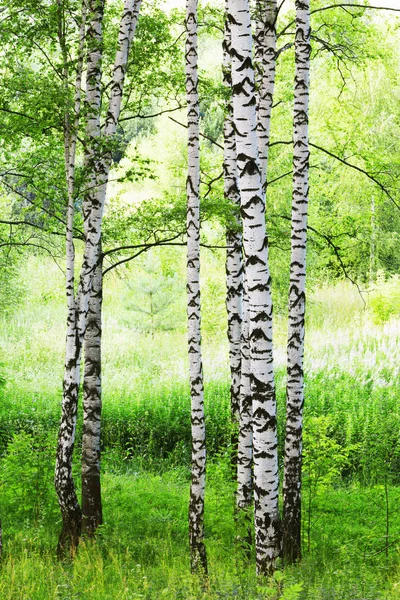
x=352, y=453
x=142, y=549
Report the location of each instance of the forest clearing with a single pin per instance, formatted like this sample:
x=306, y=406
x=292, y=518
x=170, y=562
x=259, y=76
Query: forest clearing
x=176, y=419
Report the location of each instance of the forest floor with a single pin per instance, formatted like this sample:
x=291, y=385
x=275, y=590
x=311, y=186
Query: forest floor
x=351, y=500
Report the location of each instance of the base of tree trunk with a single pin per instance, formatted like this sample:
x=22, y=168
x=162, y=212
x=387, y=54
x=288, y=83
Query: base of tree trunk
x=291, y=542
x=198, y=560
x=69, y=537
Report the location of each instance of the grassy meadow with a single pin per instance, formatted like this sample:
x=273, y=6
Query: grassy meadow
x=351, y=500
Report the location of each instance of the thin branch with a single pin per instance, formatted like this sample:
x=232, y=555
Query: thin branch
x=335, y=249
x=157, y=114
x=344, y=6
x=202, y=134
x=360, y=170
x=348, y=164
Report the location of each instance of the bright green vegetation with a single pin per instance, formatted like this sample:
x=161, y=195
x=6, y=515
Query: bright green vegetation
x=351, y=514
x=352, y=457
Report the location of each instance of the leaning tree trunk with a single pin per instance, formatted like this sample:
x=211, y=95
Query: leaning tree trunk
x=234, y=260
x=197, y=488
x=266, y=481
x=295, y=347
x=92, y=402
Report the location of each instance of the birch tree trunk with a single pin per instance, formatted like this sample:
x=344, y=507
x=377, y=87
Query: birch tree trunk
x=295, y=347
x=98, y=160
x=197, y=488
x=92, y=403
x=244, y=496
x=101, y=161
x=68, y=500
x=266, y=482
x=267, y=11
x=234, y=260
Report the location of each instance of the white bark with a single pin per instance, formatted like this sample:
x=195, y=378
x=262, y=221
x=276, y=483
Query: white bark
x=68, y=501
x=197, y=488
x=267, y=522
x=92, y=405
x=245, y=445
x=266, y=56
x=234, y=259
x=98, y=161
x=295, y=347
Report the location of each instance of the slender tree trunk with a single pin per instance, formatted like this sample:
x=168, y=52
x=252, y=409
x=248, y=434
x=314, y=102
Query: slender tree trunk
x=295, y=348
x=68, y=500
x=92, y=402
x=1, y=540
x=245, y=446
x=372, y=258
x=98, y=160
x=197, y=488
x=266, y=481
x=265, y=41
x=234, y=260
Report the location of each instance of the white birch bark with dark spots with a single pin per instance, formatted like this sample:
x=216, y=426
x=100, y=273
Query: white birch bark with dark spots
x=68, y=500
x=92, y=404
x=244, y=497
x=267, y=11
x=234, y=259
x=255, y=243
x=197, y=487
x=295, y=347
x=97, y=163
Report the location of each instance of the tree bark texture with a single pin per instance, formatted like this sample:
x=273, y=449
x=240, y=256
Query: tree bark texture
x=295, y=347
x=65, y=488
x=92, y=403
x=234, y=258
x=265, y=41
x=244, y=497
x=197, y=488
x=98, y=159
x=266, y=481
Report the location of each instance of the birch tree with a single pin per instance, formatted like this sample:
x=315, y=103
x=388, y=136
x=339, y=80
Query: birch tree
x=265, y=56
x=295, y=346
x=234, y=261
x=68, y=500
x=92, y=404
x=98, y=159
x=255, y=243
x=238, y=323
x=197, y=488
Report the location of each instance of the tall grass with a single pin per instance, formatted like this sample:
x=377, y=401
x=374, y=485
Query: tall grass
x=352, y=463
